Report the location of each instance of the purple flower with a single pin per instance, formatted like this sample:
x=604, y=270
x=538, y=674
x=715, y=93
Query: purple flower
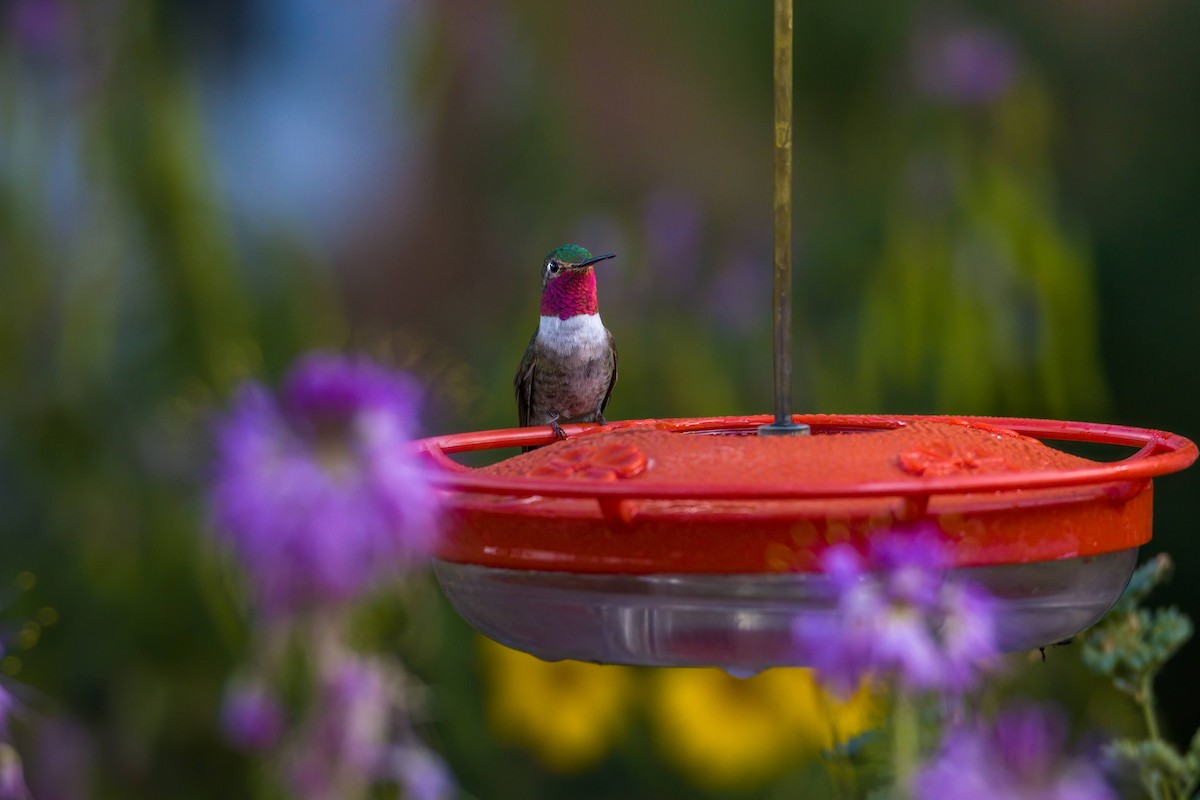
x=12, y=771
x=1019, y=756
x=358, y=705
x=348, y=738
x=38, y=24
x=251, y=717
x=674, y=226
x=318, y=491
x=61, y=760
x=897, y=614
x=12, y=775
x=970, y=65
x=422, y=775
x=359, y=736
x=739, y=299
x=8, y=705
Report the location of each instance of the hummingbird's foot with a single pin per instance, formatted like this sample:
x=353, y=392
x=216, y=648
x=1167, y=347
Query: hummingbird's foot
x=600, y=418
x=559, y=433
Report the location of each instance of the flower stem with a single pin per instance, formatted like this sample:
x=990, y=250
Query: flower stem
x=1146, y=701
x=1145, y=698
x=905, y=743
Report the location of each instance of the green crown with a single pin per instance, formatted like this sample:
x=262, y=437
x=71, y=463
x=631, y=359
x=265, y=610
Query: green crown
x=569, y=254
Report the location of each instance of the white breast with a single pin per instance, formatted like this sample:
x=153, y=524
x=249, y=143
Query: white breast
x=580, y=333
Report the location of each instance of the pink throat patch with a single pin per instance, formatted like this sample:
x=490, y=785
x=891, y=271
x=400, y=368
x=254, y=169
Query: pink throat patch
x=570, y=294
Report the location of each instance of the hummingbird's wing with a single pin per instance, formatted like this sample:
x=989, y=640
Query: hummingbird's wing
x=612, y=348
x=523, y=382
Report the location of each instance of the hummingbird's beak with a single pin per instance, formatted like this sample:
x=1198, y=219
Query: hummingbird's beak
x=593, y=260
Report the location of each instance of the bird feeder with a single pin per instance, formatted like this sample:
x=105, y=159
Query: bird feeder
x=697, y=542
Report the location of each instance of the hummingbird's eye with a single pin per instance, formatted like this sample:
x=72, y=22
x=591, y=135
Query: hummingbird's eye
x=553, y=267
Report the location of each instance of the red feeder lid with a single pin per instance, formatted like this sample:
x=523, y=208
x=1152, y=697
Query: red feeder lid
x=656, y=496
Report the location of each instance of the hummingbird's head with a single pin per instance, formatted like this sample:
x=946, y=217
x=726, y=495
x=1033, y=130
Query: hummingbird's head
x=568, y=259
x=568, y=282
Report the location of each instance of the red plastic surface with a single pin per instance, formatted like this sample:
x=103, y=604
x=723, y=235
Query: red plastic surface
x=639, y=497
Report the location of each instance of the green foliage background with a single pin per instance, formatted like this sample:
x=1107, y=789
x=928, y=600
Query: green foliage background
x=1033, y=256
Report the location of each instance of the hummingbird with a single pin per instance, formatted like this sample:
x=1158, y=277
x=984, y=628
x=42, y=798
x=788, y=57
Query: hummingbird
x=570, y=367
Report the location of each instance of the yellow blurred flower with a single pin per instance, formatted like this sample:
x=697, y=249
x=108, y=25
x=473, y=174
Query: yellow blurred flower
x=727, y=732
x=567, y=713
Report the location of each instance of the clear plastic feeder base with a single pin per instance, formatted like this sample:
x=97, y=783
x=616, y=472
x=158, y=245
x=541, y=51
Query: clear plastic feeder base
x=743, y=623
